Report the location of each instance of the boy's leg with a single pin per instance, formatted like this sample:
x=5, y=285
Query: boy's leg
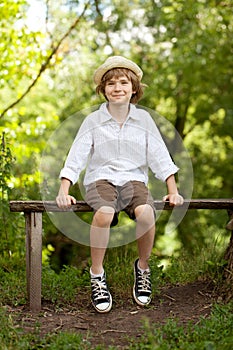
x=145, y=233
x=101, y=196
x=99, y=237
x=139, y=205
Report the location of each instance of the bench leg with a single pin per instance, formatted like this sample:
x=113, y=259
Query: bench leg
x=33, y=221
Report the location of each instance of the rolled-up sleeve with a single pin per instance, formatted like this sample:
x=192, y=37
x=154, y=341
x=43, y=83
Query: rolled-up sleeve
x=159, y=159
x=78, y=155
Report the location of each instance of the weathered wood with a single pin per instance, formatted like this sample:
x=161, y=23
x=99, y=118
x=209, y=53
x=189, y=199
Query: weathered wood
x=33, y=223
x=81, y=206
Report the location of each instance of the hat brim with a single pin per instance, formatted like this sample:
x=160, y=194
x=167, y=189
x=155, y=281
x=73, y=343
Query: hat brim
x=116, y=62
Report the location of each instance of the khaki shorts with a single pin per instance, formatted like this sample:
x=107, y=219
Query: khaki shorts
x=120, y=198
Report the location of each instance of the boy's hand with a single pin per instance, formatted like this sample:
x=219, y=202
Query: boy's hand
x=65, y=201
x=175, y=199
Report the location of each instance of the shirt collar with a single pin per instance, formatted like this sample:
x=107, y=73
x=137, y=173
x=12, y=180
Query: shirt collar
x=105, y=115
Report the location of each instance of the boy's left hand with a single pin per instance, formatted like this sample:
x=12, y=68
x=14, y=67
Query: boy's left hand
x=175, y=199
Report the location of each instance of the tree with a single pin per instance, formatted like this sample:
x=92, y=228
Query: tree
x=45, y=62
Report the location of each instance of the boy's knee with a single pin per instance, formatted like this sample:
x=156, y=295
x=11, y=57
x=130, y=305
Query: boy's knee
x=103, y=216
x=144, y=213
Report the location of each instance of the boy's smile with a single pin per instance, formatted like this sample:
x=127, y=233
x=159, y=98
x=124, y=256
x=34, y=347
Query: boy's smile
x=119, y=90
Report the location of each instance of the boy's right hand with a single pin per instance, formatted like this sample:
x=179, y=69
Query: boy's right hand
x=65, y=201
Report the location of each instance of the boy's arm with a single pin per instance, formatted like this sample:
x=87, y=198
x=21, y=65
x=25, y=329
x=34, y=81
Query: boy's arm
x=173, y=195
x=63, y=198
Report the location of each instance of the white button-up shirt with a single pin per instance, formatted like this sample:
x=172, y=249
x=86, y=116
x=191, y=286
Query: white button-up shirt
x=118, y=154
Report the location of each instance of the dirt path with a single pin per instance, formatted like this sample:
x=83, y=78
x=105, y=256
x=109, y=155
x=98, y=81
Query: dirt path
x=184, y=303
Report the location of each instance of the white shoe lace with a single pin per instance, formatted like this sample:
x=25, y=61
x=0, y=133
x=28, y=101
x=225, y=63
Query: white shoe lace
x=99, y=289
x=144, y=284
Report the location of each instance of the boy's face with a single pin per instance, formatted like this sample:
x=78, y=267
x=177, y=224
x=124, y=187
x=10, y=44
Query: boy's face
x=119, y=89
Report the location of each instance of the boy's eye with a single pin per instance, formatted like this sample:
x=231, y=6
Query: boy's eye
x=122, y=82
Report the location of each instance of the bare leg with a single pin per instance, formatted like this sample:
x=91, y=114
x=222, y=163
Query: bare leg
x=145, y=232
x=99, y=237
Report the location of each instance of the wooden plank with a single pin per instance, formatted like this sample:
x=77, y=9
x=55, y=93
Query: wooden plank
x=33, y=222
x=81, y=206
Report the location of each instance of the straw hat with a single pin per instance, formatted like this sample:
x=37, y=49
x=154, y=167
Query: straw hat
x=116, y=62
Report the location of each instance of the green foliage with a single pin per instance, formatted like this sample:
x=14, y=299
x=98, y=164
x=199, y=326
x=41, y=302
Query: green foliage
x=12, y=273
x=62, y=288
x=209, y=264
x=10, y=335
x=6, y=160
x=59, y=289
x=8, y=223
x=65, y=341
x=20, y=52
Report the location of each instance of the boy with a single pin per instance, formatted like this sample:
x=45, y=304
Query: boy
x=118, y=143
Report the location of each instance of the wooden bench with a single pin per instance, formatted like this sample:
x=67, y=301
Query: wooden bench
x=33, y=226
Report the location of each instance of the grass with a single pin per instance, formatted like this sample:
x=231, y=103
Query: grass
x=213, y=333
x=12, y=338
